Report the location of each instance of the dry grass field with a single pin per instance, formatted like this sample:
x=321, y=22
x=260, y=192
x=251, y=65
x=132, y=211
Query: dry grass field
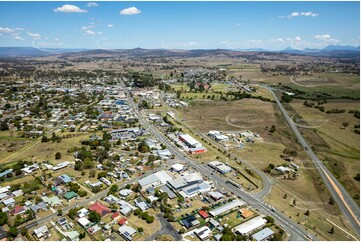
x=307, y=188
x=240, y=115
x=45, y=151
x=336, y=145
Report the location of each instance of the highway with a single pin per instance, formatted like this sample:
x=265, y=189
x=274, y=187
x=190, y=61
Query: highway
x=267, y=181
x=347, y=205
x=296, y=232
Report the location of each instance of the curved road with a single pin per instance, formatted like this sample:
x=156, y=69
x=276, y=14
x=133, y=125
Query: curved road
x=295, y=230
x=166, y=229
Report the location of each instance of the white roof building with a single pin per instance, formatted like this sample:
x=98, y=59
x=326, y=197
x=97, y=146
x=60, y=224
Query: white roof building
x=83, y=212
x=155, y=180
x=83, y=222
x=250, y=225
x=235, y=203
x=203, y=233
x=177, y=167
x=190, y=141
x=41, y=231
x=220, y=167
x=264, y=234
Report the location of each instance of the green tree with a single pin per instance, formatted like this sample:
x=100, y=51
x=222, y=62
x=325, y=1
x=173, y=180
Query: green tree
x=13, y=232
x=113, y=189
x=57, y=155
x=60, y=212
x=102, y=174
x=150, y=219
x=3, y=218
x=137, y=212
x=273, y=129
x=88, y=163
x=23, y=231
x=94, y=217
x=269, y=219
x=72, y=213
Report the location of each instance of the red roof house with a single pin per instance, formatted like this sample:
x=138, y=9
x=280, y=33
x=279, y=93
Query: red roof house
x=18, y=210
x=99, y=208
x=122, y=221
x=204, y=214
x=116, y=215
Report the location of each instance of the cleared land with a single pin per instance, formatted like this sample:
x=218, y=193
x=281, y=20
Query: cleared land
x=337, y=145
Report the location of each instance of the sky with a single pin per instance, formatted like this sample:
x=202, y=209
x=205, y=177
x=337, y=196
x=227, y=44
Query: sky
x=179, y=25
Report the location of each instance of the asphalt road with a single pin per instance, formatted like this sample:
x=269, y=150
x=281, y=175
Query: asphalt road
x=296, y=232
x=166, y=229
x=347, y=205
x=267, y=181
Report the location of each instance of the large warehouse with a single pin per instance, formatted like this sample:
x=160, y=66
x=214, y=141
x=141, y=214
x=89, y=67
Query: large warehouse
x=189, y=141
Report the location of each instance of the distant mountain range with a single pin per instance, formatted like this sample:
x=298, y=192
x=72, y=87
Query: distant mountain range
x=329, y=51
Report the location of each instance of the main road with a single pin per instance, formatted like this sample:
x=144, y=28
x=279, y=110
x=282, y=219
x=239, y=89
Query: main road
x=296, y=232
x=344, y=201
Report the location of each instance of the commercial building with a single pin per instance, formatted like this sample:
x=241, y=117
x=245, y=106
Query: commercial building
x=190, y=141
x=250, y=225
x=220, y=167
x=227, y=207
x=155, y=180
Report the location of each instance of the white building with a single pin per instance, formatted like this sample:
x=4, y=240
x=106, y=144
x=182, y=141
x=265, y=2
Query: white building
x=155, y=180
x=220, y=167
x=190, y=141
x=250, y=225
x=203, y=233
x=227, y=207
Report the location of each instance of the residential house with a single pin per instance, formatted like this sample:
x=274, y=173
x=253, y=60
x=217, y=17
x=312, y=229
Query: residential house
x=127, y=232
x=41, y=232
x=263, y=235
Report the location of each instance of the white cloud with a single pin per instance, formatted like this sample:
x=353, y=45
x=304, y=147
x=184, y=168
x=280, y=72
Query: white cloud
x=19, y=29
x=87, y=27
x=299, y=14
x=322, y=36
x=130, y=11
x=92, y=4
x=6, y=30
x=69, y=9
x=34, y=35
x=100, y=33
x=252, y=41
x=309, y=14
x=326, y=38
x=17, y=37
x=90, y=32
x=110, y=25
x=191, y=43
